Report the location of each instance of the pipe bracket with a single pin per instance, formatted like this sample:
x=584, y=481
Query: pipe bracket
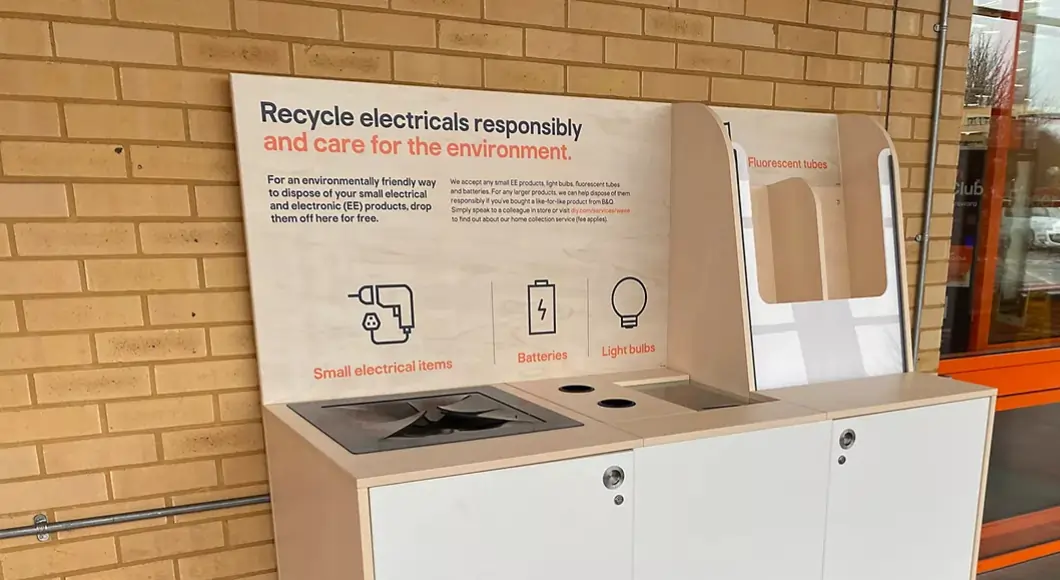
x=40, y=521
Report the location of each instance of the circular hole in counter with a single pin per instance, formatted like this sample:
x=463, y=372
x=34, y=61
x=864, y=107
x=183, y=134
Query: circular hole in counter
x=616, y=403
x=576, y=389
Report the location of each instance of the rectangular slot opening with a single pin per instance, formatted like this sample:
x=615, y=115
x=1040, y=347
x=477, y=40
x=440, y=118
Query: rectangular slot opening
x=698, y=397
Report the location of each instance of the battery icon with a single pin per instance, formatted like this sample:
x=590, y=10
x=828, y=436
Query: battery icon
x=541, y=307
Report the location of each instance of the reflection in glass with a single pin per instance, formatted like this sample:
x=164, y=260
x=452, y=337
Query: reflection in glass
x=1023, y=486
x=1003, y=290
x=1006, y=5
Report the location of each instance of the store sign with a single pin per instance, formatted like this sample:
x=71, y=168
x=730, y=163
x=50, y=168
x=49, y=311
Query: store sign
x=405, y=238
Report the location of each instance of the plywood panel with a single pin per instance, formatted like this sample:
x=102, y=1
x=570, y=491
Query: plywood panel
x=793, y=262
x=860, y=143
x=709, y=328
x=317, y=511
x=409, y=238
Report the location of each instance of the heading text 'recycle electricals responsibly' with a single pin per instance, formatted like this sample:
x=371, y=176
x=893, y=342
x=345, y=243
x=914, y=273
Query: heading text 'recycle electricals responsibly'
x=337, y=116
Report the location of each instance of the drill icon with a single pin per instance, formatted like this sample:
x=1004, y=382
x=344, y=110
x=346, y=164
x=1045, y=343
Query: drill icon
x=397, y=298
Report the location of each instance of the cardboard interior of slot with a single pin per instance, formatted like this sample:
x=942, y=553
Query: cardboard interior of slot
x=820, y=242
x=860, y=142
x=788, y=233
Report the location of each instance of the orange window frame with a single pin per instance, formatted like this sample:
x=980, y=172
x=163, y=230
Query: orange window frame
x=989, y=234
x=1023, y=379
x=1027, y=377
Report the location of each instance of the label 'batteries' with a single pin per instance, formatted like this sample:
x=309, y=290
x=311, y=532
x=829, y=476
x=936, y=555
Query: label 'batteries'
x=541, y=307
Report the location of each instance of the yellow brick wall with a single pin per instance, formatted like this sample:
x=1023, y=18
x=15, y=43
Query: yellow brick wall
x=127, y=378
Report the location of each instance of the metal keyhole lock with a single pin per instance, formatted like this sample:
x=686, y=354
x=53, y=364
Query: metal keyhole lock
x=613, y=478
x=847, y=439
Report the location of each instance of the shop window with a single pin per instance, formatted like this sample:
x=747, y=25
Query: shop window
x=1003, y=291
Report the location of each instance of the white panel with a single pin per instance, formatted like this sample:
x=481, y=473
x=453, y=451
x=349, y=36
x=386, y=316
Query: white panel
x=744, y=174
x=786, y=136
x=554, y=521
x=742, y=507
x=881, y=348
x=904, y=504
x=778, y=360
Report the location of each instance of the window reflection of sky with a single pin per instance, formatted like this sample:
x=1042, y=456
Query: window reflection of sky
x=1008, y=5
x=1038, y=64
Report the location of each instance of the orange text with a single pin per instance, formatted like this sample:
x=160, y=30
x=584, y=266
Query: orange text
x=366, y=370
x=616, y=351
x=540, y=357
x=761, y=163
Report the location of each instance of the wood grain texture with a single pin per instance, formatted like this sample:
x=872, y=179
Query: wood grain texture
x=857, y=397
x=790, y=260
x=861, y=140
x=709, y=323
x=469, y=279
x=310, y=492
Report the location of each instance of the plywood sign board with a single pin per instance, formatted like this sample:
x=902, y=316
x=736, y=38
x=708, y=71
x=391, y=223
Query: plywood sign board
x=408, y=238
x=821, y=245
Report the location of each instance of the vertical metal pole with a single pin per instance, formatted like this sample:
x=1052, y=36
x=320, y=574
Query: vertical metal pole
x=929, y=193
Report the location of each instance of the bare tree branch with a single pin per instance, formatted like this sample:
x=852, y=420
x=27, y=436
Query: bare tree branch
x=989, y=80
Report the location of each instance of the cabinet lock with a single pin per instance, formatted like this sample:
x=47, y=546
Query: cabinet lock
x=613, y=477
x=846, y=440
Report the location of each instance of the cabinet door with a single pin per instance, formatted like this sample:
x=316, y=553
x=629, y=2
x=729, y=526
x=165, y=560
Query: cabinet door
x=904, y=502
x=741, y=507
x=555, y=521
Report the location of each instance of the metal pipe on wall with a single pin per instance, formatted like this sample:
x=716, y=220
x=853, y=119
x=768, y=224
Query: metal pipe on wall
x=44, y=528
x=929, y=192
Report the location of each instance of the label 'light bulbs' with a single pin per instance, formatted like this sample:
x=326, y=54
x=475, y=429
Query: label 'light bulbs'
x=629, y=299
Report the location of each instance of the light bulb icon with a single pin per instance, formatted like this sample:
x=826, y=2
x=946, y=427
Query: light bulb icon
x=629, y=299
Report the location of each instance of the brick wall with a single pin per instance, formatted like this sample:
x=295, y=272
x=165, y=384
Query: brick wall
x=127, y=378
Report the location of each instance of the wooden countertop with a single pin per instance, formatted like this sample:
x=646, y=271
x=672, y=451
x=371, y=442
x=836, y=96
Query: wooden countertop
x=391, y=467
x=609, y=386
x=606, y=430
x=842, y=399
x=720, y=422
x=658, y=422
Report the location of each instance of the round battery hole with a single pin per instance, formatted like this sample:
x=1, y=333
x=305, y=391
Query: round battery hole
x=616, y=403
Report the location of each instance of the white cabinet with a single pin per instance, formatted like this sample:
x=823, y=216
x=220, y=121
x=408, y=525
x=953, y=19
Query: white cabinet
x=904, y=502
x=749, y=506
x=555, y=521
x=791, y=503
